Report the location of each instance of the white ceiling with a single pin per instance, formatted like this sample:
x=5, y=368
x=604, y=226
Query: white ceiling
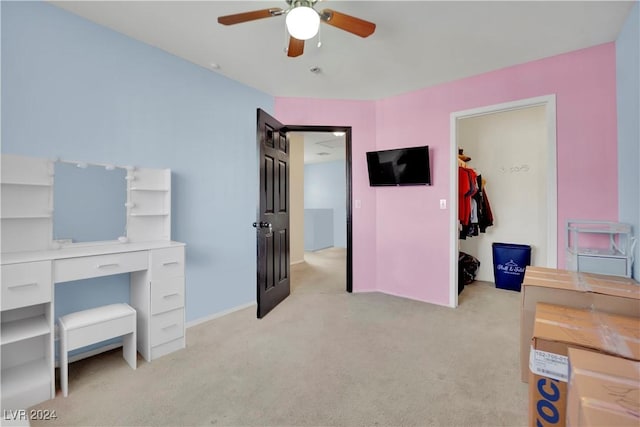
x=416, y=43
x=320, y=147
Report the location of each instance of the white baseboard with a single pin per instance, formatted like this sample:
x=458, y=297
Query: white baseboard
x=297, y=262
x=219, y=314
x=364, y=291
x=399, y=295
x=396, y=294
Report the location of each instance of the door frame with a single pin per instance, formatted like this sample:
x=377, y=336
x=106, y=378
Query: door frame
x=549, y=102
x=347, y=138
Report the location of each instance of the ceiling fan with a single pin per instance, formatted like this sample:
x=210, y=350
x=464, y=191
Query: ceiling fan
x=303, y=22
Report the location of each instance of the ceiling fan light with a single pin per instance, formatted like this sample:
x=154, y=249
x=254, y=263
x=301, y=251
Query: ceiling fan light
x=303, y=22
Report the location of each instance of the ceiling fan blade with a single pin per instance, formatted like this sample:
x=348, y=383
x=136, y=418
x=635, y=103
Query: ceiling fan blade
x=239, y=18
x=296, y=47
x=349, y=23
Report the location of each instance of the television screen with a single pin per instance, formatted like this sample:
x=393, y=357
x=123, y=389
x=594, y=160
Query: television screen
x=402, y=166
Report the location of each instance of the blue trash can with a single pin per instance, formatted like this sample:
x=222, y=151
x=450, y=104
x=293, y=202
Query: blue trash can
x=509, y=263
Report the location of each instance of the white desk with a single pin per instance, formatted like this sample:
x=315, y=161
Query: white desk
x=157, y=293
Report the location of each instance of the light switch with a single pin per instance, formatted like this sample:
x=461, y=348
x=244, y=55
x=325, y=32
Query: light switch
x=358, y=204
x=443, y=203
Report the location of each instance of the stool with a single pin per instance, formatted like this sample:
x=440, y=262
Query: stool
x=92, y=326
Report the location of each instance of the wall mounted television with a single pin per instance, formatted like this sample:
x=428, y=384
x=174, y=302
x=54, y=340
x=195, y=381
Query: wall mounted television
x=400, y=166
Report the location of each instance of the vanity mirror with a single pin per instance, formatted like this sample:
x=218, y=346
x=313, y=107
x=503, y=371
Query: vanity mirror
x=54, y=204
x=89, y=202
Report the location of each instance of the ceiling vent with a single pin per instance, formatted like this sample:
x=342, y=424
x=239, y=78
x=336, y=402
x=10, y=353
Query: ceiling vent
x=331, y=143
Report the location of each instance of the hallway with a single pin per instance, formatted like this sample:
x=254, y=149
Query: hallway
x=323, y=271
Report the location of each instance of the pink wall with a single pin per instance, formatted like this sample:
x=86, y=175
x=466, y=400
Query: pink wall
x=401, y=237
x=360, y=115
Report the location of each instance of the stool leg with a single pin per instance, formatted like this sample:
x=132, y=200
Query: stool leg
x=129, y=349
x=64, y=379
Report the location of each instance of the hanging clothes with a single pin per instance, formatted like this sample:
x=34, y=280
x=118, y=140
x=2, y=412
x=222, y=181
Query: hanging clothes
x=464, y=185
x=474, y=211
x=467, y=188
x=486, y=219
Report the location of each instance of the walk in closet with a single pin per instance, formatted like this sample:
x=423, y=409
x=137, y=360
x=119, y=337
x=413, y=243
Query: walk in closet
x=510, y=151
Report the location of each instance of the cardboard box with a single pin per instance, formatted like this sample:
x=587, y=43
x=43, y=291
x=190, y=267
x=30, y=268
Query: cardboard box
x=609, y=294
x=558, y=328
x=603, y=390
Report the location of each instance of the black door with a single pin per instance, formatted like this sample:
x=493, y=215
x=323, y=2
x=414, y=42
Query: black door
x=272, y=224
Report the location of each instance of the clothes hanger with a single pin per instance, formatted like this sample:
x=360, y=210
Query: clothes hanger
x=462, y=158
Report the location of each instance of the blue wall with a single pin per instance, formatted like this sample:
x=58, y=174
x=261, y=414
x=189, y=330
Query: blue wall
x=318, y=229
x=325, y=188
x=76, y=90
x=628, y=88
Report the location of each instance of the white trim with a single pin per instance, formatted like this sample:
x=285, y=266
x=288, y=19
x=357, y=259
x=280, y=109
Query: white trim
x=219, y=314
x=552, y=184
x=400, y=295
x=453, y=213
x=367, y=291
x=549, y=102
x=297, y=262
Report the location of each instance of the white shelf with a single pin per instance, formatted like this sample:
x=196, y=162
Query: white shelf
x=27, y=195
x=149, y=198
x=148, y=214
x=601, y=229
x=599, y=252
x=608, y=249
x=26, y=377
x=18, y=330
x=33, y=184
x=28, y=216
x=148, y=189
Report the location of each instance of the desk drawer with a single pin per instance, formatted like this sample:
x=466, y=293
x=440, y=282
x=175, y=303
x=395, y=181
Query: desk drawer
x=167, y=294
x=168, y=262
x=26, y=284
x=167, y=326
x=99, y=265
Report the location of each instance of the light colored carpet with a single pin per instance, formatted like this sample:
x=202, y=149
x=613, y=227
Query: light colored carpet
x=321, y=358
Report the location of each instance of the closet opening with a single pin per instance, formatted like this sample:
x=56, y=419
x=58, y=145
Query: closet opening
x=509, y=150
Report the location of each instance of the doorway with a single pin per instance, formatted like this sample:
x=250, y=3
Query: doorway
x=522, y=171
x=331, y=139
x=273, y=270
x=318, y=211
